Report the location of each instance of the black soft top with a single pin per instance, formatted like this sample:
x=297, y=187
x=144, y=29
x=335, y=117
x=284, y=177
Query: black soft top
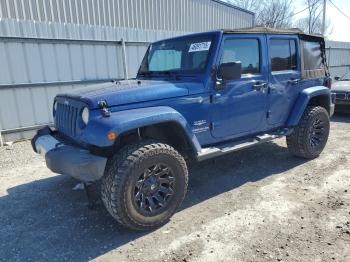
x=268, y=30
x=313, y=64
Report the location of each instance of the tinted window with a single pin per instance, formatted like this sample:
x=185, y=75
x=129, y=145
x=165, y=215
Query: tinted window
x=283, y=54
x=244, y=50
x=312, y=55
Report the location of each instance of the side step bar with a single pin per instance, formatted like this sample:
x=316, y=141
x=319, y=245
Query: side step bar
x=210, y=152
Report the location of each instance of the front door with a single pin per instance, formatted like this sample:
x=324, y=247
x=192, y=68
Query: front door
x=240, y=106
x=284, y=77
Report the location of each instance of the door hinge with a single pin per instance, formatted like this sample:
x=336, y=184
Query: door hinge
x=211, y=99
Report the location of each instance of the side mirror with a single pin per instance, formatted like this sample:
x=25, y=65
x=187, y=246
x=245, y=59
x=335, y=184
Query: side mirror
x=230, y=71
x=337, y=78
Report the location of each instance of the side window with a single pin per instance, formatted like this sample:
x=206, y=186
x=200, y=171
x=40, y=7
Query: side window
x=244, y=50
x=283, y=54
x=199, y=59
x=312, y=55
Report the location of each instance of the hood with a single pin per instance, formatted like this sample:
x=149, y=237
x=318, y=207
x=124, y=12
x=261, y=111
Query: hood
x=127, y=92
x=341, y=86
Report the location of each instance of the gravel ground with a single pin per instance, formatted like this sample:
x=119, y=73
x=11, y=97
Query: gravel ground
x=259, y=204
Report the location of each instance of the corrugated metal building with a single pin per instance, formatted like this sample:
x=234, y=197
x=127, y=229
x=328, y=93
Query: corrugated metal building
x=174, y=15
x=48, y=46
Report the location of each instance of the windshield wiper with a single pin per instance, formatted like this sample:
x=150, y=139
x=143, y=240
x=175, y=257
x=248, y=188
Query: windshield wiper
x=159, y=73
x=145, y=73
x=170, y=73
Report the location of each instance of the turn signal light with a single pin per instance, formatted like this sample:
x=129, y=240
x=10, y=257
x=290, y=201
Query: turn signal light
x=111, y=136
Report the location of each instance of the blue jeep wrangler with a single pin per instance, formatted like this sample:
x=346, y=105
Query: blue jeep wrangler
x=197, y=96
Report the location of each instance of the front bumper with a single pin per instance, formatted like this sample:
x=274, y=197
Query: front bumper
x=332, y=105
x=67, y=159
x=342, y=105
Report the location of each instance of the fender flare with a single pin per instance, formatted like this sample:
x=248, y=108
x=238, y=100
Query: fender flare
x=303, y=100
x=123, y=121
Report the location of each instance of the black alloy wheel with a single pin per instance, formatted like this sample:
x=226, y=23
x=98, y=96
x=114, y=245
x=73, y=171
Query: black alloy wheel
x=317, y=133
x=311, y=134
x=154, y=189
x=144, y=184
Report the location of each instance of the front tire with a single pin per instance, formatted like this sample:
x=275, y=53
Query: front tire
x=310, y=136
x=144, y=184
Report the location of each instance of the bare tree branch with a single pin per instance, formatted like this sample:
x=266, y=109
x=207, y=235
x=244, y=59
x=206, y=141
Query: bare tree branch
x=270, y=13
x=312, y=24
x=251, y=5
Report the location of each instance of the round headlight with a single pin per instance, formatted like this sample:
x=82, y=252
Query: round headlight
x=54, y=108
x=85, y=115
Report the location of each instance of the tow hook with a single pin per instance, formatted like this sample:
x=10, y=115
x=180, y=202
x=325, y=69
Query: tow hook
x=104, y=108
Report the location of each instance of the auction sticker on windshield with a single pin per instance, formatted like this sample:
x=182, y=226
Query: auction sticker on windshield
x=196, y=47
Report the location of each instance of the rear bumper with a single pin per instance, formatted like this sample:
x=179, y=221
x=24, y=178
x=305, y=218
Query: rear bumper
x=331, y=110
x=66, y=159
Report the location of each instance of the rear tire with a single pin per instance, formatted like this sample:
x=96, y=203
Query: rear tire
x=310, y=136
x=144, y=184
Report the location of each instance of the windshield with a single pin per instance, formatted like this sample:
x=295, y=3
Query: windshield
x=346, y=77
x=183, y=56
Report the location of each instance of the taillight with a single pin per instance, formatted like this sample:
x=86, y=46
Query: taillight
x=328, y=82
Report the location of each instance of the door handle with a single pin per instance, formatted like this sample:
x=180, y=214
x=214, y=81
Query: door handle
x=259, y=86
x=293, y=81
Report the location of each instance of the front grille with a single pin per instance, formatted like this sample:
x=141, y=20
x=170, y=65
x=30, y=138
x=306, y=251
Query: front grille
x=340, y=96
x=66, y=119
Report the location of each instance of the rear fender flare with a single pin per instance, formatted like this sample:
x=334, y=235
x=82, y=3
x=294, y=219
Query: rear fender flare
x=303, y=100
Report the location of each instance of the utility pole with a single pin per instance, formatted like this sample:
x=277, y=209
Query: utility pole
x=324, y=17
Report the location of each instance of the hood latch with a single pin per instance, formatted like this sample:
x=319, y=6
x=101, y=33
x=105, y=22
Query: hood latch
x=104, y=108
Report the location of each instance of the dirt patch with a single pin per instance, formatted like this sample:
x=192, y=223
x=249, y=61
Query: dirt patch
x=259, y=204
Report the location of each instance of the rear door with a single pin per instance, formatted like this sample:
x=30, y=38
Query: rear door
x=239, y=106
x=284, y=77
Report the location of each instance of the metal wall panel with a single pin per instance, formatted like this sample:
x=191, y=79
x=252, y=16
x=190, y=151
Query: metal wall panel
x=39, y=59
x=175, y=15
x=338, y=54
